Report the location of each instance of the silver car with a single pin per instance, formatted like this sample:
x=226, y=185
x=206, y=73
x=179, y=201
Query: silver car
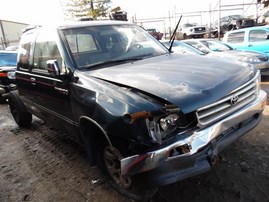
x=217, y=48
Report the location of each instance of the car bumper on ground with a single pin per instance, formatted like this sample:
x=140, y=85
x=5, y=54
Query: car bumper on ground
x=158, y=168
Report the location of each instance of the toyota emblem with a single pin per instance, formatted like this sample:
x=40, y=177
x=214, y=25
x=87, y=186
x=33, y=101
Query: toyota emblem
x=234, y=100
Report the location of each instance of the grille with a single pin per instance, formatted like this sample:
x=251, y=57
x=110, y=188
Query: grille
x=199, y=29
x=228, y=105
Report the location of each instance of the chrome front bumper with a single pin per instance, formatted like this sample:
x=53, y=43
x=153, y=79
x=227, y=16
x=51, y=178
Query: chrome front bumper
x=244, y=119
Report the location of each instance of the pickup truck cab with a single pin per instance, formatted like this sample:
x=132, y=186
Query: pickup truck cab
x=146, y=117
x=250, y=39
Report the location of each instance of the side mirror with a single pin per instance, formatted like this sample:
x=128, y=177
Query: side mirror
x=53, y=68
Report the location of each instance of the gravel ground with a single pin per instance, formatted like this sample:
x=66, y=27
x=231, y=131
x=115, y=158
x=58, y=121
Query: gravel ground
x=41, y=164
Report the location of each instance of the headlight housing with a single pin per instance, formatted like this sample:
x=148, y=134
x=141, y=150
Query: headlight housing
x=251, y=59
x=159, y=128
x=11, y=75
x=168, y=121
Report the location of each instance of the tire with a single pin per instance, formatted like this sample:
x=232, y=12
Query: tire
x=18, y=110
x=108, y=160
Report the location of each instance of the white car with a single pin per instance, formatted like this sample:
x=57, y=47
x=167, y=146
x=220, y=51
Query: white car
x=191, y=30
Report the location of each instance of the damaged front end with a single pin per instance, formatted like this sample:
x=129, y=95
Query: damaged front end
x=187, y=145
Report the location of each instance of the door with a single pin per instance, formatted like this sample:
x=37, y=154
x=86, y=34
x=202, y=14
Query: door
x=258, y=40
x=50, y=94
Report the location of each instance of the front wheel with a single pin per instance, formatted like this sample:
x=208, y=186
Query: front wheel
x=18, y=110
x=108, y=159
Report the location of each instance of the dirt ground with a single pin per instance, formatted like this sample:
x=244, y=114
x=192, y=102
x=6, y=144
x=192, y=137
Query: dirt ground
x=41, y=164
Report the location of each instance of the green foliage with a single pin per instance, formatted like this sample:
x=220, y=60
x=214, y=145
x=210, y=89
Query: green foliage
x=95, y=9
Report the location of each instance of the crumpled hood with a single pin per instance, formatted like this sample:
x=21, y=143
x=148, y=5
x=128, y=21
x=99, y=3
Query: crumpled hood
x=187, y=81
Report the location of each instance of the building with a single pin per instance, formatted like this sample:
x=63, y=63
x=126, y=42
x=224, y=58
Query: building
x=10, y=33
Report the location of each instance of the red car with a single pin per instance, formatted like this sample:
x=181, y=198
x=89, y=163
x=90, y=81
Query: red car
x=156, y=33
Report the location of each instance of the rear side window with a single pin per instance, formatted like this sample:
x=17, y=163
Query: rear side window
x=258, y=35
x=237, y=37
x=24, y=50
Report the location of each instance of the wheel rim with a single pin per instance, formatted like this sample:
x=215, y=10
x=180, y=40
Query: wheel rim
x=112, y=159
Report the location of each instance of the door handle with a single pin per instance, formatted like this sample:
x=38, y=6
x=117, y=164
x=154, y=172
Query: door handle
x=33, y=80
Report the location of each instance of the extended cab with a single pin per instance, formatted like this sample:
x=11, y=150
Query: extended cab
x=147, y=117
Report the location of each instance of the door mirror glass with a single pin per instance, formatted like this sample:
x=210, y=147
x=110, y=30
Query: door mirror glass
x=53, y=68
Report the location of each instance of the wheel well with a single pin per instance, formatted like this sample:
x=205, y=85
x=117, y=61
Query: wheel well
x=92, y=133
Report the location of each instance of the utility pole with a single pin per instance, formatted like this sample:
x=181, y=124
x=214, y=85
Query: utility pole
x=219, y=20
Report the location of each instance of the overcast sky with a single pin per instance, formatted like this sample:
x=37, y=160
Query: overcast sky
x=44, y=11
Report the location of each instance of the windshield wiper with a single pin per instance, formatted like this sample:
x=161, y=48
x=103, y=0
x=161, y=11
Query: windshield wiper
x=172, y=39
x=112, y=62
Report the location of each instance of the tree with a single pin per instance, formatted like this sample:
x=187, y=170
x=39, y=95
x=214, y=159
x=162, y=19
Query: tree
x=95, y=9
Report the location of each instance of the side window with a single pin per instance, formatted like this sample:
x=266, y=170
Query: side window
x=257, y=35
x=24, y=50
x=45, y=49
x=237, y=37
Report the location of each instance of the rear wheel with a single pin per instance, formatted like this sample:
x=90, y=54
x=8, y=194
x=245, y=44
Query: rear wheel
x=18, y=110
x=108, y=159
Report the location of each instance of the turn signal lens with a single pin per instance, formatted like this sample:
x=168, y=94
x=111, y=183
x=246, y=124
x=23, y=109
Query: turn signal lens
x=3, y=74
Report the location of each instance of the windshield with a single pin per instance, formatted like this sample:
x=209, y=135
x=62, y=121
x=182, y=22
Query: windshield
x=102, y=44
x=216, y=45
x=8, y=59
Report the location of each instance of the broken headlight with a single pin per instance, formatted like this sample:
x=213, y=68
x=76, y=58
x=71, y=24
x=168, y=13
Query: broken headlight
x=159, y=128
x=163, y=123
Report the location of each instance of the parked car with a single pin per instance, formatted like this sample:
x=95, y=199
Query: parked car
x=182, y=48
x=156, y=33
x=217, y=48
x=191, y=30
x=252, y=39
x=145, y=116
x=8, y=62
x=233, y=22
